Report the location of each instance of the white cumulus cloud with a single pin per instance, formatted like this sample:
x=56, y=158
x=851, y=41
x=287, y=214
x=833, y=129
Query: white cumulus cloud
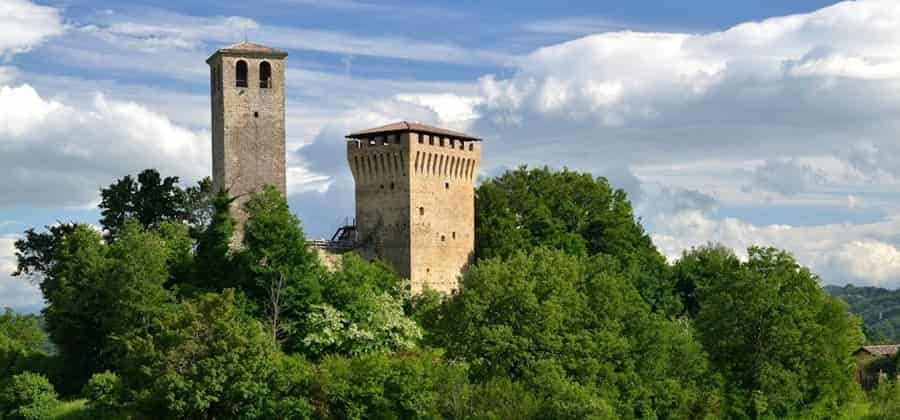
x=26, y=25
x=864, y=254
x=58, y=154
x=18, y=293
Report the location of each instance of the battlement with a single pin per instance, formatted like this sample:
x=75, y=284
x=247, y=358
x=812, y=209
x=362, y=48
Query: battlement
x=415, y=199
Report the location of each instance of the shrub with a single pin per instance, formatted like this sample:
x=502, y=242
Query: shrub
x=27, y=396
x=104, y=392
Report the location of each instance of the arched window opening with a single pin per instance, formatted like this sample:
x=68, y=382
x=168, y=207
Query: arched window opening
x=265, y=75
x=240, y=74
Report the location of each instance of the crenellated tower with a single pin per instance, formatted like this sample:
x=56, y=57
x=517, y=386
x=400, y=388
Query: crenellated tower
x=415, y=200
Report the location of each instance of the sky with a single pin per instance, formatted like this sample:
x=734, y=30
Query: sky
x=767, y=123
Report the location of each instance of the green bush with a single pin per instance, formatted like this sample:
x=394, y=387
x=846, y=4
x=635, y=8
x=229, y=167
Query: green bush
x=104, y=392
x=400, y=386
x=27, y=396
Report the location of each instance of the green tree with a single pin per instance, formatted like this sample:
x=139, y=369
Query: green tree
x=76, y=304
x=23, y=345
x=27, y=396
x=579, y=323
x=524, y=209
x=700, y=267
x=105, y=393
x=380, y=386
x=215, y=267
x=151, y=199
x=35, y=252
x=95, y=291
x=204, y=359
x=362, y=312
x=783, y=345
x=282, y=276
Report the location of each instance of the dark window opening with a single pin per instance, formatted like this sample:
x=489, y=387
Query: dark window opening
x=471, y=146
x=421, y=140
x=382, y=186
x=427, y=270
x=431, y=141
x=442, y=142
x=443, y=238
x=392, y=185
x=256, y=115
x=265, y=75
x=446, y=185
x=421, y=211
x=240, y=74
x=453, y=235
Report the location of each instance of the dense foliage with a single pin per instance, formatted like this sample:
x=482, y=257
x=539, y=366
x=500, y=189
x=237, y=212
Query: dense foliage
x=579, y=324
x=782, y=344
x=575, y=212
x=569, y=312
x=27, y=396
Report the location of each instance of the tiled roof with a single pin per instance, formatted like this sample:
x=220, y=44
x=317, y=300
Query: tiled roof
x=411, y=126
x=882, y=350
x=250, y=49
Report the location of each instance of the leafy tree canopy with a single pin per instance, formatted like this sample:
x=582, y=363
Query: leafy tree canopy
x=575, y=212
x=534, y=317
x=151, y=199
x=783, y=345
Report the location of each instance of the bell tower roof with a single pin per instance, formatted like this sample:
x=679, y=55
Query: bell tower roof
x=249, y=49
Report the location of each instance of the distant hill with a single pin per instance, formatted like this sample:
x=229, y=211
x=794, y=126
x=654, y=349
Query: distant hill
x=879, y=309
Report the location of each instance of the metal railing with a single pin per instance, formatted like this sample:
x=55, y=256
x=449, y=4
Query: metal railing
x=339, y=245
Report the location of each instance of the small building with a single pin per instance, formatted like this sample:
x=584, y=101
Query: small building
x=874, y=363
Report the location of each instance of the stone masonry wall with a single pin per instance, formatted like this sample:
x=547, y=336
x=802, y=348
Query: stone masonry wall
x=248, y=131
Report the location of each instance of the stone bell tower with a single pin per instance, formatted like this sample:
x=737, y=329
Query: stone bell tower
x=415, y=200
x=248, y=147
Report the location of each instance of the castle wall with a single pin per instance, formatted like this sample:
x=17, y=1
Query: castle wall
x=442, y=197
x=380, y=168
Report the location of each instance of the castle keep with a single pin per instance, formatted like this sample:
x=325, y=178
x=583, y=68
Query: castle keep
x=415, y=184
x=415, y=195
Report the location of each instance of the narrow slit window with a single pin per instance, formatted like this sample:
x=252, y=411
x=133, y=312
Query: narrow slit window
x=265, y=75
x=240, y=74
x=421, y=211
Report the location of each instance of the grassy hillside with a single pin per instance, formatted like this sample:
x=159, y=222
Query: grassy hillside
x=879, y=309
